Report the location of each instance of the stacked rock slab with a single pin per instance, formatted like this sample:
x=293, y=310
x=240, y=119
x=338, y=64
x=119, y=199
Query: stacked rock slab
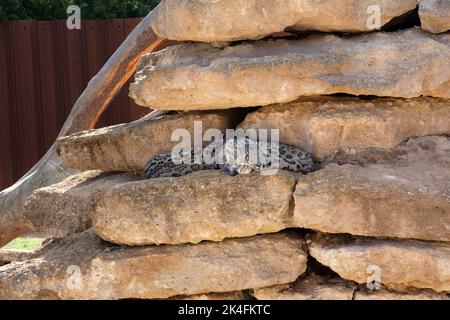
x=312, y=286
x=401, y=264
x=66, y=208
x=130, y=210
x=405, y=64
x=309, y=287
x=206, y=206
x=379, y=205
x=223, y=20
x=84, y=267
x=405, y=197
x=435, y=15
x=12, y=255
x=330, y=127
x=128, y=147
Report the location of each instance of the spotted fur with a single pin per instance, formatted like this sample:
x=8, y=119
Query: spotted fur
x=290, y=158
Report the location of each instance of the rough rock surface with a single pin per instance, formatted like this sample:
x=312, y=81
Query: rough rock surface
x=401, y=264
x=128, y=147
x=408, y=63
x=326, y=126
x=85, y=267
x=228, y=20
x=309, y=287
x=19, y=255
x=407, y=198
x=12, y=255
x=404, y=194
x=236, y=295
x=67, y=207
x=435, y=15
x=205, y=205
x=410, y=294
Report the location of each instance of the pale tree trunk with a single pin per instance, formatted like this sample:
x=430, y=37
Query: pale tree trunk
x=84, y=115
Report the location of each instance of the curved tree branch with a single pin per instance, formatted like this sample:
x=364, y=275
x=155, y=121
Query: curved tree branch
x=85, y=113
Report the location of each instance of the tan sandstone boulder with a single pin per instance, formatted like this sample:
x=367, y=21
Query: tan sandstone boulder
x=410, y=294
x=205, y=205
x=128, y=147
x=12, y=255
x=408, y=196
x=67, y=207
x=408, y=63
x=85, y=267
x=318, y=287
x=236, y=295
x=325, y=126
x=397, y=264
x=228, y=20
x=435, y=15
x=309, y=287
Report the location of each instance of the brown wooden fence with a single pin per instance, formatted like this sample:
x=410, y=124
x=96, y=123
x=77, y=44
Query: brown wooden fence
x=44, y=67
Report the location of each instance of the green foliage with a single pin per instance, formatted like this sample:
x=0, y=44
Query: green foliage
x=12, y=10
x=24, y=244
x=90, y=9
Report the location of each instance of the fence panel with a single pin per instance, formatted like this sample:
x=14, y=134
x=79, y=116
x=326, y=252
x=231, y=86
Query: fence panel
x=50, y=81
x=8, y=152
x=120, y=107
x=74, y=72
x=95, y=48
x=28, y=111
x=44, y=67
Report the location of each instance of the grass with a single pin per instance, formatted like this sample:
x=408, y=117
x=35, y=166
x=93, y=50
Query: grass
x=24, y=244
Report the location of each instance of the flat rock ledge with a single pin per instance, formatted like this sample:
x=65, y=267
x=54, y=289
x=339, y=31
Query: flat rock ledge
x=206, y=205
x=128, y=147
x=229, y=20
x=404, y=64
x=312, y=286
x=85, y=267
x=236, y=295
x=386, y=294
x=13, y=255
x=67, y=207
x=402, y=193
x=407, y=198
x=435, y=15
x=399, y=264
x=326, y=126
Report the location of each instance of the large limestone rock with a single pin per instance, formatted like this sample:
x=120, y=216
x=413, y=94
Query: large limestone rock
x=318, y=287
x=400, y=193
x=309, y=287
x=435, y=15
x=408, y=63
x=128, y=147
x=236, y=295
x=410, y=294
x=408, y=197
x=85, y=267
x=400, y=264
x=326, y=126
x=205, y=205
x=228, y=20
x=12, y=255
x=67, y=207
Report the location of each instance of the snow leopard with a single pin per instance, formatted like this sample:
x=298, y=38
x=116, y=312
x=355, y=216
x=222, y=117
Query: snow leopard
x=241, y=155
